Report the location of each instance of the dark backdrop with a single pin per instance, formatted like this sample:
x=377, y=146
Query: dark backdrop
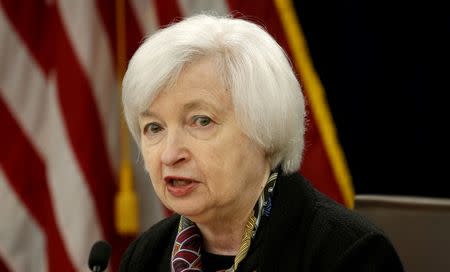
x=384, y=67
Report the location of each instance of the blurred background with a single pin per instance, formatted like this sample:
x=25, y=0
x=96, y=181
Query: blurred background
x=373, y=74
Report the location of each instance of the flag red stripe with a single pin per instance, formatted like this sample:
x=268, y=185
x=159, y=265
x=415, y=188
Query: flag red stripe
x=315, y=153
x=33, y=23
x=79, y=109
x=264, y=14
x=29, y=181
x=3, y=267
x=323, y=178
x=106, y=9
x=167, y=11
x=134, y=33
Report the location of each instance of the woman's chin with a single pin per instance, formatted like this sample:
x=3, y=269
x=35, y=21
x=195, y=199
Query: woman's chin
x=188, y=207
x=188, y=204
x=191, y=213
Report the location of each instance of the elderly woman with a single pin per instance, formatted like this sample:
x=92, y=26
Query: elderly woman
x=219, y=117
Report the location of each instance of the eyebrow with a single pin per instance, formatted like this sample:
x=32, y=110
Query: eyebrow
x=199, y=104
x=147, y=113
x=192, y=105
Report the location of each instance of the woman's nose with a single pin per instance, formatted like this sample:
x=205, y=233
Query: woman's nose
x=175, y=151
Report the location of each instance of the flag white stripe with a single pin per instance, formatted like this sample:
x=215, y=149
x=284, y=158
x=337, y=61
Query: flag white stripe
x=36, y=109
x=146, y=16
x=192, y=7
x=27, y=251
x=90, y=41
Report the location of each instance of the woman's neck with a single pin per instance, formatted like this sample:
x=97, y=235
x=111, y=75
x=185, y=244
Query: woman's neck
x=224, y=237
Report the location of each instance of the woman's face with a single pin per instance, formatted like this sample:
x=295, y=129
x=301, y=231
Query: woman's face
x=200, y=162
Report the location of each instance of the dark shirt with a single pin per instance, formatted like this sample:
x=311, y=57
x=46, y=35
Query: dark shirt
x=213, y=262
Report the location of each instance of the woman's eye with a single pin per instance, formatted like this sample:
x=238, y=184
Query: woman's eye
x=202, y=121
x=152, y=128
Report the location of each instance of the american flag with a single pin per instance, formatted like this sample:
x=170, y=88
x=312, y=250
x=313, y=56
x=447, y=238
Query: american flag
x=60, y=72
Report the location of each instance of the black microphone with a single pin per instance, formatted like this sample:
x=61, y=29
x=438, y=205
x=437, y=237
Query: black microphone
x=99, y=256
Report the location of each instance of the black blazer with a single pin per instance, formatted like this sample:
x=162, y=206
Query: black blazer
x=306, y=231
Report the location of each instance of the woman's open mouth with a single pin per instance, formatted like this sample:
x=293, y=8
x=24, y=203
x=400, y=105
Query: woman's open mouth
x=180, y=187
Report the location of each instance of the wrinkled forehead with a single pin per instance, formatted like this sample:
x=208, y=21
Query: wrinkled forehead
x=197, y=86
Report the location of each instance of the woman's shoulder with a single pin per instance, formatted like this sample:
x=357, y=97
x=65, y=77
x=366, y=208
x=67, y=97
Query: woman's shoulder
x=343, y=223
x=334, y=235
x=322, y=211
x=349, y=241
x=150, y=245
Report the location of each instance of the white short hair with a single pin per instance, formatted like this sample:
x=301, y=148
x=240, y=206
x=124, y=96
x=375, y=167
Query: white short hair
x=266, y=94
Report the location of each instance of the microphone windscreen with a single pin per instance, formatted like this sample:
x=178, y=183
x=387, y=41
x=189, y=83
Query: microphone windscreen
x=99, y=256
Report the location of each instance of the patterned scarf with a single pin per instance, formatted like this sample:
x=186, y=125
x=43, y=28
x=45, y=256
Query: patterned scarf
x=186, y=253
